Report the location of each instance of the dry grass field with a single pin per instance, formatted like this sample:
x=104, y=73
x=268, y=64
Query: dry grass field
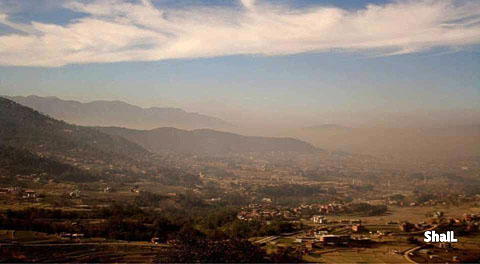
x=382, y=254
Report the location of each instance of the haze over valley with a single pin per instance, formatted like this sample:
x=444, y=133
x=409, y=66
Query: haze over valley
x=407, y=136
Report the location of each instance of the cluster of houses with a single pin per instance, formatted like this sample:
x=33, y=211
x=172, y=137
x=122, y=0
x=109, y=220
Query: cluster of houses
x=321, y=219
x=320, y=237
x=322, y=240
x=467, y=223
x=24, y=193
x=440, y=199
x=10, y=190
x=323, y=209
x=261, y=212
x=304, y=211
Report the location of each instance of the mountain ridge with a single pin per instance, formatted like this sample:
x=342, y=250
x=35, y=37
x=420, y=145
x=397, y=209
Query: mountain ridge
x=118, y=113
x=206, y=141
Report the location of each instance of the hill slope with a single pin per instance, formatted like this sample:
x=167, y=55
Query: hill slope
x=117, y=113
x=24, y=128
x=206, y=141
x=21, y=162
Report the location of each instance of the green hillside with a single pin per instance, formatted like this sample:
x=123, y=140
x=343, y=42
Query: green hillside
x=20, y=162
x=25, y=128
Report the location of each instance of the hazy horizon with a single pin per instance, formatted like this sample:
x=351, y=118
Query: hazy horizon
x=314, y=76
x=437, y=118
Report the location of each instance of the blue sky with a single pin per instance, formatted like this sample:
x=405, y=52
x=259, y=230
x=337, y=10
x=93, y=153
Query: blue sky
x=242, y=60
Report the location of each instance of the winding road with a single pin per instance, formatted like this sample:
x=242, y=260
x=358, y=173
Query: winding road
x=406, y=254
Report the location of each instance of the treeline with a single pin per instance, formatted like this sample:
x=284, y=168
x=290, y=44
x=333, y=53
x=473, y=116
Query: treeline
x=208, y=235
x=216, y=221
x=195, y=247
x=223, y=223
x=295, y=194
x=368, y=209
x=296, y=190
x=120, y=221
x=130, y=222
x=177, y=177
x=229, y=251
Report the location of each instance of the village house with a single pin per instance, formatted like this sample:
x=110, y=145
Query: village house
x=65, y=235
x=78, y=236
x=29, y=194
x=74, y=194
x=334, y=239
x=406, y=226
x=358, y=228
x=321, y=233
x=318, y=219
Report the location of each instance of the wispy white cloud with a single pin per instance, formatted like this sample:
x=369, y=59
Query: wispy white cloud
x=119, y=30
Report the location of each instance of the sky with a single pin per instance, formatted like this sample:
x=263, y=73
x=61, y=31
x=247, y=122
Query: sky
x=302, y=61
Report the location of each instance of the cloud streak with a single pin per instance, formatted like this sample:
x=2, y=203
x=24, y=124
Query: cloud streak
x=119, y=30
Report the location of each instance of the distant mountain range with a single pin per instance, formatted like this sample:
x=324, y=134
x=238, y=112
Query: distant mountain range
x=206, y=141
x=24, y=128
x=117, y=113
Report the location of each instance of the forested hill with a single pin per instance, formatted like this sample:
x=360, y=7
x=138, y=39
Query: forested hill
x=25, y=128
x=21, y=162
x=207, y=141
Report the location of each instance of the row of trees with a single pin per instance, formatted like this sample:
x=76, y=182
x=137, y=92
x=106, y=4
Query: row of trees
x=223, y=224
x=214, y=236
x=368, y=209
